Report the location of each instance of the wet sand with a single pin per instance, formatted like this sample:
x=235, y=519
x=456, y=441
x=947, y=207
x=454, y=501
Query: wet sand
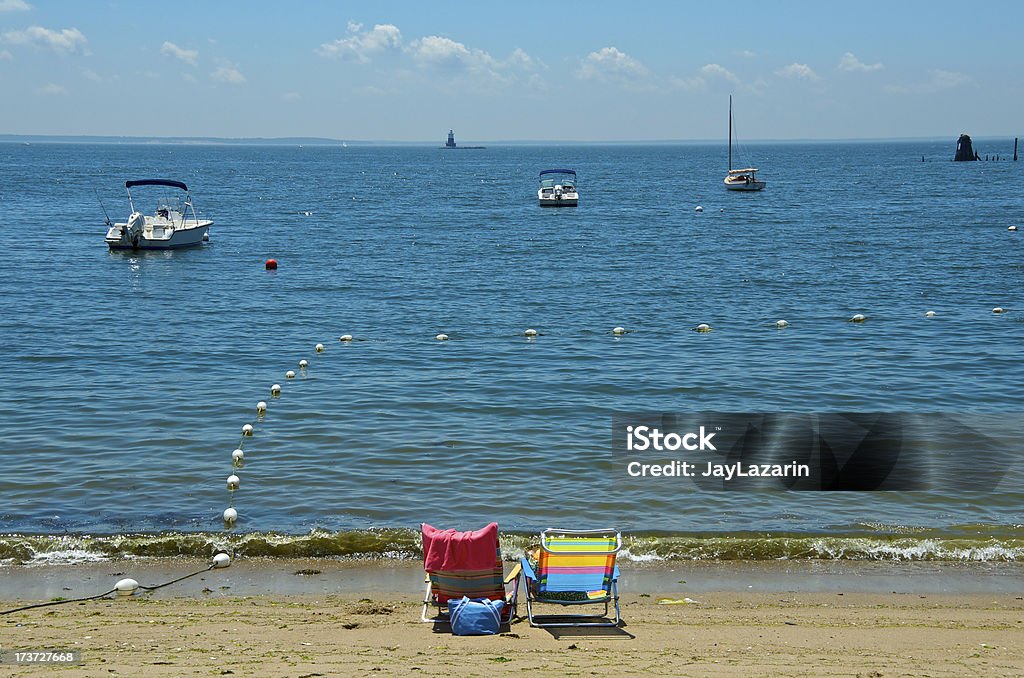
x=265, y=618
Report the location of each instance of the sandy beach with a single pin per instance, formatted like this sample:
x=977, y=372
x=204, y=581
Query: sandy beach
x=797, y=620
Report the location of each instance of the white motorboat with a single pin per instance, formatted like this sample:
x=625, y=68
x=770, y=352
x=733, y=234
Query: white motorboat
x=170, y=227
x=740, y=179
x=558, y=188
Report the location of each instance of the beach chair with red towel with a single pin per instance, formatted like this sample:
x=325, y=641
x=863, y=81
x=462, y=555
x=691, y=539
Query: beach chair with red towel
x=459, y=564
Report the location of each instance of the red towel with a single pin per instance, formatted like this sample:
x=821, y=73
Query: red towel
x=449, y=550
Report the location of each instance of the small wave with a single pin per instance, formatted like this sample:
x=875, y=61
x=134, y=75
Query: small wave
x=67, y=557
x=991, y=545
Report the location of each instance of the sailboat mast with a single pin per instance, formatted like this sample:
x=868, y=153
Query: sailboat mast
x=730, y=132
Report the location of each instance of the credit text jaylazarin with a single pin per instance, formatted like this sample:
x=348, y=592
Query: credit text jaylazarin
x=644, y=438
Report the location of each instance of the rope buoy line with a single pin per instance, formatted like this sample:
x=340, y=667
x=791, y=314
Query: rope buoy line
x=127, y=587
x=233, y=481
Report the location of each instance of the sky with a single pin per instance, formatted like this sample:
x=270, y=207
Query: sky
x=514, y=71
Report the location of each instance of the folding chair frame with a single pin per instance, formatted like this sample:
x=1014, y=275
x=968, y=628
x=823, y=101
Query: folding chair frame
x=552, y=620
x=442, y=616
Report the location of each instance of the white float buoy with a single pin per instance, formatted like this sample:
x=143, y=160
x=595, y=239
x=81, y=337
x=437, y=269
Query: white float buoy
x=230, y=516
x=929, y=314
x=781, y=324
x=703, y=327
x=442, y=337
x=247, y=430
x=319, y=348
x=618, y=330
x=261, y=407
x=698, y=208
x=221, y=560
x=126, y=587
x=290, y=374
x=275, y=390
x=345, y=337
x=237, y=457
x=530, y=332
x=998, y=309
x=858, y=318
x=303, y=364
x=233, y=482
x=1012, y=228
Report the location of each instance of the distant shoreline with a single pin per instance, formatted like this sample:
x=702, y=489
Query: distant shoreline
x=340, y=143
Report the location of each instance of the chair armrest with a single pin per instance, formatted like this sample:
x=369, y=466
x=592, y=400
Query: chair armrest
x=514, y=574
x=527, y=570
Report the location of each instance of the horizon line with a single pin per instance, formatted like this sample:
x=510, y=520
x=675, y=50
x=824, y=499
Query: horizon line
x=325, y=141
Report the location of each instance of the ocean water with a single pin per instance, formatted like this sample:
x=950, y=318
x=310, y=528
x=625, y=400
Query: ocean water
x=128, y=376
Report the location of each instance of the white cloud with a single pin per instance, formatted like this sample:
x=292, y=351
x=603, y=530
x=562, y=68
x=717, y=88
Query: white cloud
x=849, y=62
x=4, y=54
x=189, y=56
x=188, y=77
x=747, y=54
x=52, y=90
x=435, y=50
x=291, y=96
x=800, y=71
x=610, y=63
x=716, y=71
x=62, y=41
x=947, y=79
x=228, y=73
x=360, y=45
x=521, y=60
x=938, y=81
x=14, y=6
x=90, y=74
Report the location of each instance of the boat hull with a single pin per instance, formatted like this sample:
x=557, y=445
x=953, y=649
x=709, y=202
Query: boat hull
x=176, y=239
x=755, y=185
x=562, y=202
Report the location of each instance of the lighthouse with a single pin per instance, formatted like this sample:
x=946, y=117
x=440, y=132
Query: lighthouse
x=451, y=145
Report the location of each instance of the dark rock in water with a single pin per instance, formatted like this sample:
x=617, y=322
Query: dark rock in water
x=964, y=151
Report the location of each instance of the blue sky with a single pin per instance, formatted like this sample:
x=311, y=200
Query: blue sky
x=408, y=71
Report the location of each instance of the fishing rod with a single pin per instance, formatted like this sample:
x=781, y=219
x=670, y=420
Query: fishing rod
x=106, y=218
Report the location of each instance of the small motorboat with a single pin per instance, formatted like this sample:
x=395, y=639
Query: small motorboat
x=170, y=227
x=558, y=188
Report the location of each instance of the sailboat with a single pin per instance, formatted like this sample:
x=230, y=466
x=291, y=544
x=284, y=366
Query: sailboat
x=740, y=179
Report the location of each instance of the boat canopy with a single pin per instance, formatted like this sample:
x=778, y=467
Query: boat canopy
x=156, y=182
x=559, y=171
x=743, y=171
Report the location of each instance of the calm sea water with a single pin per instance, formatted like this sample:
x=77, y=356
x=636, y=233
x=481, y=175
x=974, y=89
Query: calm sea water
x=128, y=376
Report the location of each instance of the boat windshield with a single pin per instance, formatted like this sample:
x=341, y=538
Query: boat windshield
x=169, y=204
x=552, y=180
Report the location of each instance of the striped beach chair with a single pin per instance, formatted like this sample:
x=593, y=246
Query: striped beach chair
x=454, y=581
x=574, y=567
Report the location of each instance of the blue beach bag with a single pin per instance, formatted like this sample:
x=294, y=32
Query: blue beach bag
x=476, y=617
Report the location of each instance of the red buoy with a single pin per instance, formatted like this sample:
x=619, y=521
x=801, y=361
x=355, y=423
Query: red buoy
x=271, y=264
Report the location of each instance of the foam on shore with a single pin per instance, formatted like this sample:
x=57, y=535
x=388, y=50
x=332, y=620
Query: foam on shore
x=960, y=544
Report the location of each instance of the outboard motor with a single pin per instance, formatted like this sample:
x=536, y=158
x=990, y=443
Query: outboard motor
x=558, y=192
x=133, y=231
